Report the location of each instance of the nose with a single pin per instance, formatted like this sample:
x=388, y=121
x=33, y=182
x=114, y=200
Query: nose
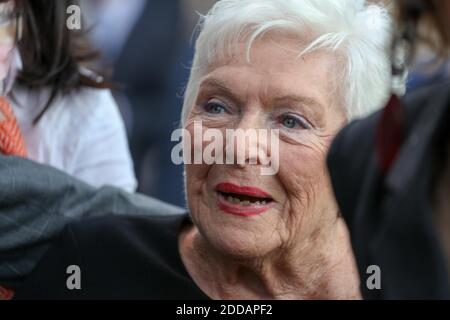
x=247, y=143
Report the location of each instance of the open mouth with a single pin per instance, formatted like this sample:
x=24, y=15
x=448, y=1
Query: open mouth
x=242, y=201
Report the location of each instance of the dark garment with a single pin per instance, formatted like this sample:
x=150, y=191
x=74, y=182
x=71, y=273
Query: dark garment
x=390, y=217
x=119, y=258
x=37, y=201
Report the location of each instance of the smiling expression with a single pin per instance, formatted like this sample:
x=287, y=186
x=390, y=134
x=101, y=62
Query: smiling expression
x=237, y=209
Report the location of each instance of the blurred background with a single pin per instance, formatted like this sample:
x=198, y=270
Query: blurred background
x=148, y=46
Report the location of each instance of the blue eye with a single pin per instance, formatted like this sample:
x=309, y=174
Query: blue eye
x=292, y=122
x=215, y=108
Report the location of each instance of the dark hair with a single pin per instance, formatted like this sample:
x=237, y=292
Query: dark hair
x=52, y=55
x=424, y=21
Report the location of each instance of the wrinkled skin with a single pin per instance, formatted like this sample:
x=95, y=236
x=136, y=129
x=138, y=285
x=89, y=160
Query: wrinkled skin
x=288, y=250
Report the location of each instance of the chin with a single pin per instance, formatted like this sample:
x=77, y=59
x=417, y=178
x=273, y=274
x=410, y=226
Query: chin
x=241, y=243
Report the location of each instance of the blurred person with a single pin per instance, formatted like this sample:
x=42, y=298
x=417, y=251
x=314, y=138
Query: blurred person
x=153, y=75
x=394, y=191
x=426, y=69
x=146, y=55
x=66, y=116
x=247, y=235
x=112, y=17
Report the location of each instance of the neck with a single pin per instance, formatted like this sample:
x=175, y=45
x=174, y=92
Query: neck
x=322, y=268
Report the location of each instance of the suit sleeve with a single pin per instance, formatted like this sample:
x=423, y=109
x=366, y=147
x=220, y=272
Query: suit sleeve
x=37, y=202
x=60, y=273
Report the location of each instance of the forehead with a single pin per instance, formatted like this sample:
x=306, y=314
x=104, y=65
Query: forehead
x=275, y=66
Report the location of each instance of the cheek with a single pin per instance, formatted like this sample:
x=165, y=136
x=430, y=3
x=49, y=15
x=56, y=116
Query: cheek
x=302, y=169
x=196, y=172
x=197, y=197
x=196, y=177
x=304, y=176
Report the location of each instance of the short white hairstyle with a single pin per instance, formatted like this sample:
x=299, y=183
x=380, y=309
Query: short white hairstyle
x=357, y=30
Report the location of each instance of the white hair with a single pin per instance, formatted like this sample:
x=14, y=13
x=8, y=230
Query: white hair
x=358, y=30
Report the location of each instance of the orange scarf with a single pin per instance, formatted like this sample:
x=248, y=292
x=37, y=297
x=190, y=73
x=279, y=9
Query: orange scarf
x=11, y=139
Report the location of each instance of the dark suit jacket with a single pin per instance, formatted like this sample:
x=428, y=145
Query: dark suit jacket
x=37, y=202
x=390, y=216
x=115, y=257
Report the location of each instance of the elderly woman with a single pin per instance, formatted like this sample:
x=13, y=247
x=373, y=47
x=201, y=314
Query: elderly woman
x=301, y=68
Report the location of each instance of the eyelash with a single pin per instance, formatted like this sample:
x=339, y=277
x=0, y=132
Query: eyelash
x=209, y=105
x=300, y=121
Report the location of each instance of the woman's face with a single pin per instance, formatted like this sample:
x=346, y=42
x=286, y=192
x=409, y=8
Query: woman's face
x=8, y=29
x=237, y=209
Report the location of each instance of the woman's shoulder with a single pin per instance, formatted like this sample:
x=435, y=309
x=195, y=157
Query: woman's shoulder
x=90, y=106
x=91, y=103
x=82, y=105
x=81, y=133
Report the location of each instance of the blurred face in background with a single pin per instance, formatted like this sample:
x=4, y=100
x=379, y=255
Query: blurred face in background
x=8, y=32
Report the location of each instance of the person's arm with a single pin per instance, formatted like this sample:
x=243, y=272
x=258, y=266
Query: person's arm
x=102, y=155
x=37, y=201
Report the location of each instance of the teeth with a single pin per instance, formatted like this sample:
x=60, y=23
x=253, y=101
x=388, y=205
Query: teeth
x=234, y=200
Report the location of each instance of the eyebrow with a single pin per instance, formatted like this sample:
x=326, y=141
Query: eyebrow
x=213, y=82
x=222, y=87
x=299, y=99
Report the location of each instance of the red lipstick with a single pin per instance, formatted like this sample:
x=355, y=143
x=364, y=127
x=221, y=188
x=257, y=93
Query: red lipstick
x=242, y=201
